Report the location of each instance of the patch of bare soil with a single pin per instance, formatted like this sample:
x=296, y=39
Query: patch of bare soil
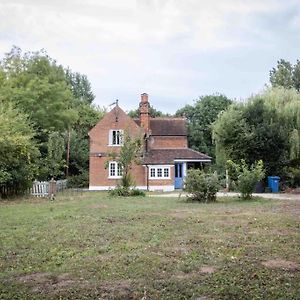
x=120, y=289
x=207, y=270
x=49, y=283
x=46, y=282
x=202, y=271
x=281, y=264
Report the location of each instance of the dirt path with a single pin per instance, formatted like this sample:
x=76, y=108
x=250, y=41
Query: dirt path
x=277, y=196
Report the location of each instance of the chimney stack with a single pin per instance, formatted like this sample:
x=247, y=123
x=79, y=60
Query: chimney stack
x=144, y=112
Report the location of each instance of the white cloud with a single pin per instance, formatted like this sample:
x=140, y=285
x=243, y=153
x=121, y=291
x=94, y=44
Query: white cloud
x=127, y=46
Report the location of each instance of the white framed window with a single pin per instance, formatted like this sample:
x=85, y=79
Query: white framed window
x=166, y=172
x=116, y=137
x=159, y=172
x=152, y=172
x=115, y=170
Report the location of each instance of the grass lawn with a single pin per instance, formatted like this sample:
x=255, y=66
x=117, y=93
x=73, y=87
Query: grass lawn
x=90, y=246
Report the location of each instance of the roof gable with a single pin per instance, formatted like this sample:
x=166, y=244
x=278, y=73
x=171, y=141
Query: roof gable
x=117, y=117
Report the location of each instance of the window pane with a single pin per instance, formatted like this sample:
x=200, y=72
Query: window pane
x=152, y=172
x=120, y=171
x=114, y=138
x=180, y=170
x=112, y=169
x=159, y=172
x=117, y=137
x=166, y=172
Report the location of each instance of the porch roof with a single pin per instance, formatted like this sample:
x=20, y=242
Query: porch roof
x=168, y=156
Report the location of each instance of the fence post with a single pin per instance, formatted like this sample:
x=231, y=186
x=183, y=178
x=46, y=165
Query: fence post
x=52, y=189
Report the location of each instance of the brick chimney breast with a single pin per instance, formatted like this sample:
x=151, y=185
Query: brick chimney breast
x=145, y=112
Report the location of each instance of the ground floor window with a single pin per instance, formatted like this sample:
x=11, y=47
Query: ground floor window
x=159, y=172
x=115, y=170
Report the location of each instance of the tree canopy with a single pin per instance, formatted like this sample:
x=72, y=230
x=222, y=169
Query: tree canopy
x=286, y=75
x=264, y=128
x=37, y=85
x=153, y=113
x=57, y=103
x=18, y=150
x=200, y=118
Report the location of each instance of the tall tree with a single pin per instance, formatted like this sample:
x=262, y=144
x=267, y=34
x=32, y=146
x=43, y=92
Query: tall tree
x=266, y=127
x=80, y=86
x=58, y=103
x=286, y=75
x=153, y=113
x=37, y=85
x=18, y=150
x=200, y=118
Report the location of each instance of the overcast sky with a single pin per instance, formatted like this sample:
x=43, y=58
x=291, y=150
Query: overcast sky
x=174, y=50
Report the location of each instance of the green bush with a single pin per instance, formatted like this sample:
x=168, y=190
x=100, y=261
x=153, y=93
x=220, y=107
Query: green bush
x=291, y=177
x=120, y=191
x=248, y=177
x=79, y=181
x=201, y=186
x=137, y=192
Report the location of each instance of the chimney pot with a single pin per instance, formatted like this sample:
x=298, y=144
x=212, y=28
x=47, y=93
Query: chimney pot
x=144, y=97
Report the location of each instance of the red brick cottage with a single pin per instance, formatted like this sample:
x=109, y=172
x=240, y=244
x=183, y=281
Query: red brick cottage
x=166, y=156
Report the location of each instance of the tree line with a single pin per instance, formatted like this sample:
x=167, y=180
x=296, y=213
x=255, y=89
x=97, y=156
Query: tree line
x=46, y=111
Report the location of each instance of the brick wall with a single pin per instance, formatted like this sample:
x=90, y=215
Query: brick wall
x=99, y=147
x=162, y=182
x=167, y=142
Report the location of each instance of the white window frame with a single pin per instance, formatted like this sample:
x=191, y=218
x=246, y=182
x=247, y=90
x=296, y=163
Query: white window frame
x=155, y=170
x=118, y=133
x=117, y=170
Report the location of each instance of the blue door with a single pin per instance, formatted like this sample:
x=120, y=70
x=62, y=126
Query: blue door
x=178, y=176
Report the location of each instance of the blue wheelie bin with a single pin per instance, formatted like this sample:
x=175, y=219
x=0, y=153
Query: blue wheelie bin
x=273, y=183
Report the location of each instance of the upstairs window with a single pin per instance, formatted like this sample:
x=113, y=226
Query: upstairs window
x=116, y=137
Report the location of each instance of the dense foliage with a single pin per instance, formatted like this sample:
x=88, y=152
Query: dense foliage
x=153, y=113
x=245, y=177
x=286, y=75
x=56, y=104
x=18, y=151
x=200, y=118
x=201, y=186
x=261, y=129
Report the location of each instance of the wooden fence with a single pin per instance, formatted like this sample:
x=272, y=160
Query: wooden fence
x=47, y=188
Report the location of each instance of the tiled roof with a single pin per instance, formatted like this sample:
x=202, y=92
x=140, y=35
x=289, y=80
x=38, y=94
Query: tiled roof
x=166, y=126
x=167, y=156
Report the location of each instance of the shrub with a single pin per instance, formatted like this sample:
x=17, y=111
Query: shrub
x=79, y=181
x=137, y=192
x=291, y=177
x=121, y=191
x=248, y=177
x=201, y=186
